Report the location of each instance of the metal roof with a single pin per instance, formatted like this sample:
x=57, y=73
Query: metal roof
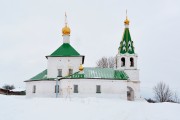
x=65, y=50
x=126, y=45
x=41, y=76
x=88, y=73
x=100, y=73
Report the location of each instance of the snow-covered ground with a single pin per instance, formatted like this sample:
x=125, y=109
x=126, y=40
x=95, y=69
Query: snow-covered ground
x=21, y=108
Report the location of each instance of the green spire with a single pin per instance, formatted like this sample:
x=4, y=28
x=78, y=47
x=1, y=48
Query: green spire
x=126, y=45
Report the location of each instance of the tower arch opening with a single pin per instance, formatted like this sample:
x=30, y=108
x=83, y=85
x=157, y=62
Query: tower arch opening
x=131, y=62
x=122, y=62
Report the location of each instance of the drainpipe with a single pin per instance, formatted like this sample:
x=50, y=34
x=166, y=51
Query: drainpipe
x=58, y=78
x=56, y=87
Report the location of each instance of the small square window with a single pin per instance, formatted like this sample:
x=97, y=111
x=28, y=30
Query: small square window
x=34, y=89
x=75, y=88
x=56, y=88
x=59, y=72
x=70, y=71
x=98, y=89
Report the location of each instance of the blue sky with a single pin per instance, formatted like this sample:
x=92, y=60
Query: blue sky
x=31, y=29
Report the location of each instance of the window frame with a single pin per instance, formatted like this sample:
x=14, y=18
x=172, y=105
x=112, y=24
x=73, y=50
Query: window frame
x=57, y=88
x=98, y=88
x=70, y=71
x=59, y=73
x=34, y=89
x=75, y=90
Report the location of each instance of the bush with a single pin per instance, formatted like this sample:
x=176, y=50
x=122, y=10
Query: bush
x=163, y=93
x=8, y=87
x=150, y=100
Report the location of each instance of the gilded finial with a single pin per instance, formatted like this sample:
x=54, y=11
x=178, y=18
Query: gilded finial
x=81, y=67
x=66, y=30
x=126, y=22
x=65, y=19
x=126, y=13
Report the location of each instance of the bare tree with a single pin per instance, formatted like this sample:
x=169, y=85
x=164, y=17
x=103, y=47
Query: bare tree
x=162, y=92
x=176, y=98
x=105, y=62
x=111, y=62
x=8, y=87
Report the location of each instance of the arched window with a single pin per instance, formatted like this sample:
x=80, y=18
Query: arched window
x=122, y=62
x=131, y=62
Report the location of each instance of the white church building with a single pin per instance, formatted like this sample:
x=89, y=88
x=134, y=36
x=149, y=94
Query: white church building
x=65, y=75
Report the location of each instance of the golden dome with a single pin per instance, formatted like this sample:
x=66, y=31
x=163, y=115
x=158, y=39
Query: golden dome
x=126, y=22
x=81, y=67
x=66, y=30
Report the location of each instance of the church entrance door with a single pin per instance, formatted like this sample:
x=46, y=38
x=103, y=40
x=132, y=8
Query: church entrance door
x=130, y=94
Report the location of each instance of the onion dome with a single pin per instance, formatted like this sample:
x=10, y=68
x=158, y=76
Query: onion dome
x=126, y=22
x=66, y=30
x=81, y=67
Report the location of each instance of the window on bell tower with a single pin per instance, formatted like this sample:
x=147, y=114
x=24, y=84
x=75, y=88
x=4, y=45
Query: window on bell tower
x=122, y=62
x=131, y=62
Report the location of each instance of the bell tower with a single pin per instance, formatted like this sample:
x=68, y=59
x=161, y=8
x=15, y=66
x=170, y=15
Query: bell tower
x=126, y=59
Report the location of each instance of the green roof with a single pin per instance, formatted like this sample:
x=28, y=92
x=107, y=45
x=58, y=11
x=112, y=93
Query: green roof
x=40, y=76
x=65, y=50
x=100, y=73
x=126, y=45
x=88, y=73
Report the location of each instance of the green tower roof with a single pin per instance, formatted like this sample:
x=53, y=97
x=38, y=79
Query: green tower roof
x=65, y=50
x=126, y=45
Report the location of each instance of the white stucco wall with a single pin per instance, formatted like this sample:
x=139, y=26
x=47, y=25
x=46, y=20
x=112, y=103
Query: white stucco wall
x=43, y=89
x=66, y=38
x=133, y=74
x=135, y=85
x=64, y=63
x=86, y=88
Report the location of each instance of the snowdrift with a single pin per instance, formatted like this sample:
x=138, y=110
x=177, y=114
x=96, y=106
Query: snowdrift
x=22, y=108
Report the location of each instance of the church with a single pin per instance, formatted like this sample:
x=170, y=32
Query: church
x=65, y=76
